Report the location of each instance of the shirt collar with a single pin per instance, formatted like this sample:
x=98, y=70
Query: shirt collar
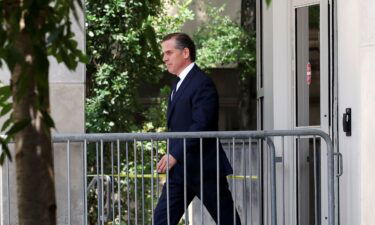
x=184, y=73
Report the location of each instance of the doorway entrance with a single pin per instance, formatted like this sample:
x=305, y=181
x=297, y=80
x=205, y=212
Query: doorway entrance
x=311, y=106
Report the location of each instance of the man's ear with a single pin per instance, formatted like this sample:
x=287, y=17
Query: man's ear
x=186, y=53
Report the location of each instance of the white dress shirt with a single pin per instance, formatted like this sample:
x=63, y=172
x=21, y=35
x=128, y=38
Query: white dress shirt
x=183, y=75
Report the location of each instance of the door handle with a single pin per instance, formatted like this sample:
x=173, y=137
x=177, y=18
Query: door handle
x=340, y=163
x=347, y=121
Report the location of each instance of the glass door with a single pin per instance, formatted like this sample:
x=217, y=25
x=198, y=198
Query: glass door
x=311, y=108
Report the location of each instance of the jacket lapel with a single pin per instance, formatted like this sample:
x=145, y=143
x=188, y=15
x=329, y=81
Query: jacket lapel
x=178, y=94
x=170, y=102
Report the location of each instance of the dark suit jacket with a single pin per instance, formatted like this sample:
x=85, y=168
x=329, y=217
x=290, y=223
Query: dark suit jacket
x=195, y=108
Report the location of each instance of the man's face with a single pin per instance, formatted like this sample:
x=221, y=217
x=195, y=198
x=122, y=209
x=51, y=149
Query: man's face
x=175, y=59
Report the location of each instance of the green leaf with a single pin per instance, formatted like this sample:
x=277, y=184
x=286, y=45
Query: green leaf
x=57, y=55
x=48, y=119
x=6, y=109
x=66, y=59
x=72, y=44
x=83, y=58
x=2, y=157
x=18, y=126
x=5, y=93
x=268, y=2
x=54, y=35
x=6, y=124
x=5, y=150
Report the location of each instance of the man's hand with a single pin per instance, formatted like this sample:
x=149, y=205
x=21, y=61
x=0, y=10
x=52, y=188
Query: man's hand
x=162, y=164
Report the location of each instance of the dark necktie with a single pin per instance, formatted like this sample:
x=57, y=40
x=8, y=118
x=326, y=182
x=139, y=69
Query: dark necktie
x=175, y=88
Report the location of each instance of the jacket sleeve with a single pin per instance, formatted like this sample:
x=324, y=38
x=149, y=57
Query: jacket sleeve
x=204, y=118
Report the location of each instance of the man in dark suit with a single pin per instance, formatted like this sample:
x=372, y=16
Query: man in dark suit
x=193, y=106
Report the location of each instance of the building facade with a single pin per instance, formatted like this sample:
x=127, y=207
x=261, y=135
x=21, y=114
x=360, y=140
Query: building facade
x=316, y=71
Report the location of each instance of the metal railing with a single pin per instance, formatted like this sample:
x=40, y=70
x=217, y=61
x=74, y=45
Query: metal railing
x=98, y=181
x=121, y=185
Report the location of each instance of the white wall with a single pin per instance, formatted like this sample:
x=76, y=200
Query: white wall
x=356, y=79
x=367, y=74
x=349, y=82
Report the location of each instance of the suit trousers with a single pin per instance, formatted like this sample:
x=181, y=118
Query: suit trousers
x=176, y=202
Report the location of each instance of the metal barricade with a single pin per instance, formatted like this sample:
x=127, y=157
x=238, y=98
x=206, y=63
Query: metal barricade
x=121, y=185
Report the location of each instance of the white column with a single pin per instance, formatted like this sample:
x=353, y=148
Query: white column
x=366, y=74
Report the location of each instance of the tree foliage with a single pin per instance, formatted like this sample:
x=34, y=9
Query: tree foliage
x=47, y=27
x=123, y=45
x=124, y=54
x=221, y=41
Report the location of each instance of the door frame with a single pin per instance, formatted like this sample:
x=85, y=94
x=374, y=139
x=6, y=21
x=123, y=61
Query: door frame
x=268, y=70
x=328, y=92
